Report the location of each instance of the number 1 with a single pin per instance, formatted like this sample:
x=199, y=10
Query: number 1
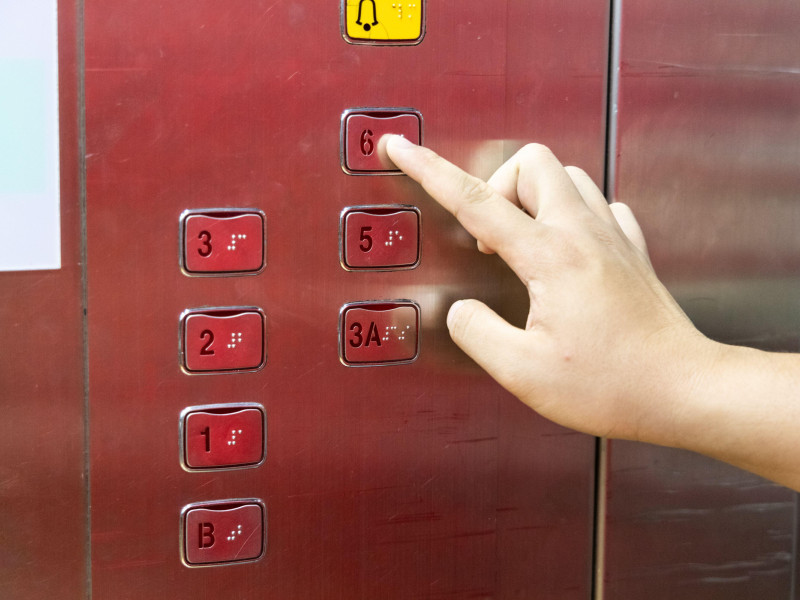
x=207, y=433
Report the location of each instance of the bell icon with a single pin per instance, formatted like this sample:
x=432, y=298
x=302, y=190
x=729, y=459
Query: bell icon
x=367, y=26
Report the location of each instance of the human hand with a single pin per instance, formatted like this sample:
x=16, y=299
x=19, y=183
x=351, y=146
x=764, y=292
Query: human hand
x=606, y=350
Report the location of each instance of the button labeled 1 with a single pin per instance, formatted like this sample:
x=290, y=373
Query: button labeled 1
x=222, y=339
x=223, y=532
x=363, y=127
x=380, y=237
x=223, y=436
x=379, y=333
x=222, y=241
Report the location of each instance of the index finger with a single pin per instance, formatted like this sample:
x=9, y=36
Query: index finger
x=483, y=212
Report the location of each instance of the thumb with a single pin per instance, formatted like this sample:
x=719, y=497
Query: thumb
x=488, y=339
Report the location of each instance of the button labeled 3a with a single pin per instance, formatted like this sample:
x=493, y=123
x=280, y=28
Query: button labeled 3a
x=383, y=21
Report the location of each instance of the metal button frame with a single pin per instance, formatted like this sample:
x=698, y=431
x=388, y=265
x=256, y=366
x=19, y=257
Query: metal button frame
x=220, y=311
x=219, y=213
x=221, y=505
x=377, y=303
x=362, y=42
x=377, y=112
x=220, y=409
x=378, y=208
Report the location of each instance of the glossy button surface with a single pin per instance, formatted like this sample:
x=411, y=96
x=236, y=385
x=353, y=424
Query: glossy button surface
x=379, y=333
x=223, y=340
x=223, y=436
x=383, y=21
x=363, y=129
x=223, y=243
x=223, y=532
x=380, y=238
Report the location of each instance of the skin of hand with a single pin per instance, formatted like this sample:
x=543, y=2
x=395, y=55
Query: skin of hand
x=606, y=350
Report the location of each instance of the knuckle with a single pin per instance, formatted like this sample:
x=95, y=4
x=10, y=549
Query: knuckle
x=473, y=193
x=535, y=151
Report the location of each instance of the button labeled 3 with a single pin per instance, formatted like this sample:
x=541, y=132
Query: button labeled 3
x=222, y=339
x=222, y=241
x=379, y=333
x=222, y=532
x=363, y=127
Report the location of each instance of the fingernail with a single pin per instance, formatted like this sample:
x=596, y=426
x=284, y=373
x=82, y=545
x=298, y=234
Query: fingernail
x=399, y=142
x=451, y=314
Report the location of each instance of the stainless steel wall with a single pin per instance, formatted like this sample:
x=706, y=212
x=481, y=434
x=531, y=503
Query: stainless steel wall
x=421, y=480
x=43, y=528
x=707, y=154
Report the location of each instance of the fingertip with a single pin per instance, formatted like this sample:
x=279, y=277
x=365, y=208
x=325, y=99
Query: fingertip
x=391, y=145
x=452, y=314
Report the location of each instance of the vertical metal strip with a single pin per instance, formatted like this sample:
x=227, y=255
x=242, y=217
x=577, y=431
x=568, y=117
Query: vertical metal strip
x=609, y=189
x=81, y=141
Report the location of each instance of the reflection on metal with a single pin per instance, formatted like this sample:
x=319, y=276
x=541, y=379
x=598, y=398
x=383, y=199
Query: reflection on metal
x=707, y=155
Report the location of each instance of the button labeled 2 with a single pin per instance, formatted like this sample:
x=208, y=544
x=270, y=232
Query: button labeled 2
x=363, y=127
x=222, y=241
x=222, y=532
x=380, y=237
x=223, y=436
x=379, y=333
x=223, y=339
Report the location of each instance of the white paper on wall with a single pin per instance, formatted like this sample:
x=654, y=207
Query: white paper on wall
x=30, y=234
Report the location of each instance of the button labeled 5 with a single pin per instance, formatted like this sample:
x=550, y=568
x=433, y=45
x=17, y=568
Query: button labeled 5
x=222, y=339
x=380, y=237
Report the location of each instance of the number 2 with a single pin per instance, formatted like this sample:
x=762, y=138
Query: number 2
x=206, y=349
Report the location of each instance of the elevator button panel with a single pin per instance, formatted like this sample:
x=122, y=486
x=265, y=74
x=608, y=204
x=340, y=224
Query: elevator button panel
x=379, y=333
x=383, y=21
x=223, y=436
x=380, y=237
x=223, y=340
x=229, y=531
x=222, y=241
x=362, y=128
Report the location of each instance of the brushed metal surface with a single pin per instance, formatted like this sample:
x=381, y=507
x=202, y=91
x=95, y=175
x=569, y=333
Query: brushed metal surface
x=412, y=481
x=43, y=541
x=708, y=156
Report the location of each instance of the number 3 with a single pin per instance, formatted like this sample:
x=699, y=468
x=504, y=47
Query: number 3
x=205, y=240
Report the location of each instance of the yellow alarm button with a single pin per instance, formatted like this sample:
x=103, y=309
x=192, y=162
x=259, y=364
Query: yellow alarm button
x=376, y=21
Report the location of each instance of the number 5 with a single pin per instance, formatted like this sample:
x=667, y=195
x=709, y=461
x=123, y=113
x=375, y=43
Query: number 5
x=366, y=240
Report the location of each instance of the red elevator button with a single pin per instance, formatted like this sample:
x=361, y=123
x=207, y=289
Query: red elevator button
x=223, y=340
x=223, y=242
x=223, y=436
x=379, y=333
x=223, y=532
x=380, y=238
x=361, y=130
